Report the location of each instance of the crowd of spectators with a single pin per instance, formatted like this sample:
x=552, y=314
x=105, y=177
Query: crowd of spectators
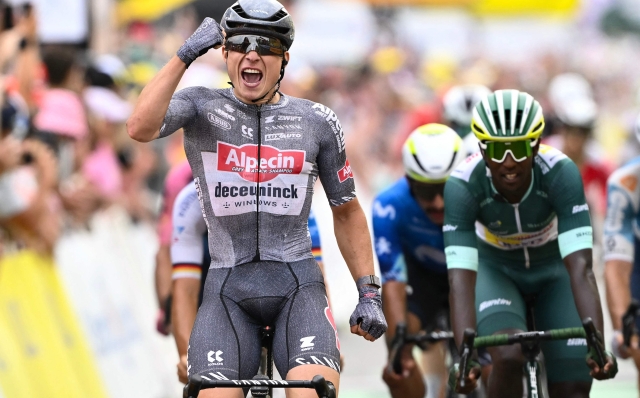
x=65, y=154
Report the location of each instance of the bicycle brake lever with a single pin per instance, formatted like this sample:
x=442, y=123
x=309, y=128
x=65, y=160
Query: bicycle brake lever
x=465, y=355
x=396, y=348
x=628, y=322
x=592, y=337
x=192, y=388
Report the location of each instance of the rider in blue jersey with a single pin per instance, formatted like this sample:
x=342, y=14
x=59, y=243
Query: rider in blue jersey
x=407, y=228
x=622, y=245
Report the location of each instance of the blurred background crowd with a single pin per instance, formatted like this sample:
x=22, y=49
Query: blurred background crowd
x=70, y=72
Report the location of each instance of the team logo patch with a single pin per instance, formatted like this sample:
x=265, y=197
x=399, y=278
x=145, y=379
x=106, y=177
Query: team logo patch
x=345, y=173
x=217, y=121
x=273, y=162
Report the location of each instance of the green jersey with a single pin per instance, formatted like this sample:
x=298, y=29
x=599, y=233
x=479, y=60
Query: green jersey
x=550, y=222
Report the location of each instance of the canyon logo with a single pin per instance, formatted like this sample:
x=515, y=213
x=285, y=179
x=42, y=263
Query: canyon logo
x=273, y=162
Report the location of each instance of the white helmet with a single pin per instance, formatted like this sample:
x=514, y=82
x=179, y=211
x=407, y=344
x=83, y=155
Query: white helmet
x=577, y=112
x=458, y=104
x=568, y=87
x=431, y=153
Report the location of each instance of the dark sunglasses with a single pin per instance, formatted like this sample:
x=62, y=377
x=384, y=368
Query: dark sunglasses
x=261, y=44
x=427, y=191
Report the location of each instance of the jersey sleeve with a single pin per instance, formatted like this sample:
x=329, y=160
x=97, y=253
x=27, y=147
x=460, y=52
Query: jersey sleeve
x=187, y=245
x=182, y=110
x=314, y=234
x=386, y=242
x=566, y=193
x=333, y=167
x=460, y=214
x=177, y=178
x=622, y=209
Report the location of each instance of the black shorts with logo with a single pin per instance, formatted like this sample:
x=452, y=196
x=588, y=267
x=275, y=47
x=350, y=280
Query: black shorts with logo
x=289, y=297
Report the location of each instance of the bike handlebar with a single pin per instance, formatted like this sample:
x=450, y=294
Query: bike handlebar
x=401, y=339
x=324, y=388
x=588, y=331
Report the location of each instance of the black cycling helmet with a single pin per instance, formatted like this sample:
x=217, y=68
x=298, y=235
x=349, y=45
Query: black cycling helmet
x=259, y=17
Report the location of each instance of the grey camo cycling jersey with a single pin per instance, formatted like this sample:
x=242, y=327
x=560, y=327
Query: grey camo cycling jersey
x=255, y=168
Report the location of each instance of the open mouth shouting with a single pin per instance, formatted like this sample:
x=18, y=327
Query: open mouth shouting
x=251, y=77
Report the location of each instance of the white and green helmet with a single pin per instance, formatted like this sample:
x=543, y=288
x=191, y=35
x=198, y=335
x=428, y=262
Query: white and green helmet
x=507, y=115
x=431, y=153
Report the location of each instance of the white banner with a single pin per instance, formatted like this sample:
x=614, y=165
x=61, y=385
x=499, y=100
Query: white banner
x=62, y=21
x=109, y=273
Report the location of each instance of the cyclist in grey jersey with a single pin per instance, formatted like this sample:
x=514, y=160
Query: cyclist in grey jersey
x=255, y=155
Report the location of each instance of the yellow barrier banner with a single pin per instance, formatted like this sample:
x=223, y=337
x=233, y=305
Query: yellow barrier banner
x=510, y=7
x=45, y=352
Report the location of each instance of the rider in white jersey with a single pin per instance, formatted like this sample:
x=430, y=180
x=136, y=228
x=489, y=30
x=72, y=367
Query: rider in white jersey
x=255, y=154
x=621, y=248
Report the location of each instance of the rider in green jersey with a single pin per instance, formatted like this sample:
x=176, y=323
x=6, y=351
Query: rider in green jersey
x=517, y=230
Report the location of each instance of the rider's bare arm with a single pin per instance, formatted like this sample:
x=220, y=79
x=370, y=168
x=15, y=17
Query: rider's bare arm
x=183, y=310
x=352, y=235
x=146, y=120
x=583, y=285
x=617, y=276
x=394, y=306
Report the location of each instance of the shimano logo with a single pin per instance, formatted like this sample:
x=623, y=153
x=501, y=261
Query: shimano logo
x=216, y=121
x=273, y=162
x=259, y=11
x=449, y=228
x=579, y=208
x=490, y=303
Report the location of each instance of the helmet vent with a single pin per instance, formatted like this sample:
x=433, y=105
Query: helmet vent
x=518, y=118
x=419, y=164
x=273, y=18
x=496, y=119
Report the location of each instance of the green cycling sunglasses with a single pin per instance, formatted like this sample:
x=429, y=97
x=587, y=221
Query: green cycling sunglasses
x=498, y=150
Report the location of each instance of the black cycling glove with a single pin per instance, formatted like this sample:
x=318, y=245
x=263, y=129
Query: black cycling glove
x=207, y=36
x=368, y=312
